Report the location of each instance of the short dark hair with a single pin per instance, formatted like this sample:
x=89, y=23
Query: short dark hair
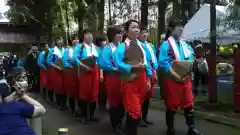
x=85, y=31
x=112, y=31
x=171, y=25
x=143, y=28
x=127, y=24
x=99, y=39
x=197, y=42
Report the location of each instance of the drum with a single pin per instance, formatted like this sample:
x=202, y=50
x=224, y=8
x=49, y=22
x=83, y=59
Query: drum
x=88, y=61
x=59, y=63
x=182, y=68
x=133, y=55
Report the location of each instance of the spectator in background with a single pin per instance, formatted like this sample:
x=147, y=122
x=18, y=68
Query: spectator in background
x=200, y=80
x=100, y=41
x=32, y=68
x=13, y=113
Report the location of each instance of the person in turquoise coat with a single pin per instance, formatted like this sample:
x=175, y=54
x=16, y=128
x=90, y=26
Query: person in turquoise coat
x=112, y=79
x=152, y=61
x=88, y=81
x=135, y=78
x=70, y=78
x=178, y=90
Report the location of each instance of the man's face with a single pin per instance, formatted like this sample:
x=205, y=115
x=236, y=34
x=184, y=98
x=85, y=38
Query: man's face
x=118, y=38
x=177, y=31
x=133, y=30
x=88, y=37
x=60, y=42
x=144, y=35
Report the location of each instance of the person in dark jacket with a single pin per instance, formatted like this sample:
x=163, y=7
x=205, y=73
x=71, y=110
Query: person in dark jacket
x=32, y=68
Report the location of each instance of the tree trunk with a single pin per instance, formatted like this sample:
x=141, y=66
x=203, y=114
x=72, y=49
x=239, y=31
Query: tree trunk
x=184, y=17
x=212, y=66
x=101, y=15
x=144, y=12
x=110, y=11
x=161, y=18
x=176, y=9
x=67, y=22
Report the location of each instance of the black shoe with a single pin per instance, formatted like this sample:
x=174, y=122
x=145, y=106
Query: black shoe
x=117, y=130
x=94, y=119
x=170, y=132
x=143, y=124
x=86, y=121
x=193, y=131
x=148, y=122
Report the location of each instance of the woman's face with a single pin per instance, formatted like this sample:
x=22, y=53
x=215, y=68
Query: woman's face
x=118, y=38
x=88, y=37
x=133, y=31
x=144, y=35
x=177, y=32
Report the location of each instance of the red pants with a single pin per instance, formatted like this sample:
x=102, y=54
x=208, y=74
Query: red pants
x=113, y=87
x=89, y=85
x=59, y=82
x=71, y=84
x=50, y=76
x=133, y=95
x=43, y=78
x=149, y=94
x=178, y=95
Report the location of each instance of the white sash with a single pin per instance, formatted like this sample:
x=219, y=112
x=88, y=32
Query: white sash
x=186, y=51
x=112, y=47
x=70, y=52
x=57, y=52
x=90, y=52
x=127, y=41
x=151, y=52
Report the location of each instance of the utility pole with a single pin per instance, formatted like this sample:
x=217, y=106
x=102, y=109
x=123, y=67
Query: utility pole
x=212, y=57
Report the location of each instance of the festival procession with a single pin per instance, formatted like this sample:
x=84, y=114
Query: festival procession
x=126, y=65
x=106, y=84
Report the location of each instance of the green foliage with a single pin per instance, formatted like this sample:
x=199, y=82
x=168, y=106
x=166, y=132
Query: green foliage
x=234, y=15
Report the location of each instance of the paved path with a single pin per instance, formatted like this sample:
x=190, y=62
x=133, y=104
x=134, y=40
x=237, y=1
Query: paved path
x=55, y=119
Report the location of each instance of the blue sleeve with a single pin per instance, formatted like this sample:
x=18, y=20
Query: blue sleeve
x=105, y=59
x=26, y=110
x=39, y=60
x=155, y=64
x=148, y=58
x=50, y=57
x=118, y=57
x=164, y=60
x=65, y=59
x=192, y=53
x=76, y=54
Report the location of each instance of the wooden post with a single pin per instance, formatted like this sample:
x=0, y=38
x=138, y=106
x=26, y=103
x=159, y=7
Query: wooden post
x=212, y=58
x=237, y=80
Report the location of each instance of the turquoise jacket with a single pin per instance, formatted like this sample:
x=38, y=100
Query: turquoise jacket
x=106, y=61
x=119, y=55
x=41, y=60
x=67, y=59
x=154, y=64
x=166, y=58
x=81, y=52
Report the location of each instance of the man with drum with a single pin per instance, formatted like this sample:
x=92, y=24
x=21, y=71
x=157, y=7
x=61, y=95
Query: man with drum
x=154, y=65
x=178, y=89
x=112, y=79
x=130, y=59
x=88, y=76
x=57, y=78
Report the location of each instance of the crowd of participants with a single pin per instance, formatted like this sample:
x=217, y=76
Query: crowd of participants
x=128, y=88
